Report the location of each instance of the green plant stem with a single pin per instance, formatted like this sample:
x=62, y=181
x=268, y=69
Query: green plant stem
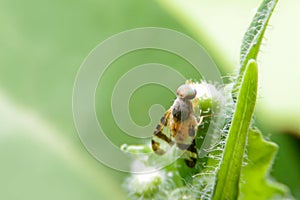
x=227, y=185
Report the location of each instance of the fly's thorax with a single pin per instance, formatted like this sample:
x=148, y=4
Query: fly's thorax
x=182, y=109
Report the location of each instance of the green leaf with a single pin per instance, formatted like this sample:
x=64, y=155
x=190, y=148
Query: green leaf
x=254, y=35
x=255, y=182
x=228, y=177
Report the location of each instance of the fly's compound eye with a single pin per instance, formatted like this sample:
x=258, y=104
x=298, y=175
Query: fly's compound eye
x=186, y=92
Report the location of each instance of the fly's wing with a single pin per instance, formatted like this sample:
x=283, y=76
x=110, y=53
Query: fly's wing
x=185, y=141
x=162, y=138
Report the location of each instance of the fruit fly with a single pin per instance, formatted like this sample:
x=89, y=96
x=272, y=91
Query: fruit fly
x=179, y=126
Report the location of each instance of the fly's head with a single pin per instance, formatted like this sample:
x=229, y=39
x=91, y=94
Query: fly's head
x=186, y=92
x=183, y=107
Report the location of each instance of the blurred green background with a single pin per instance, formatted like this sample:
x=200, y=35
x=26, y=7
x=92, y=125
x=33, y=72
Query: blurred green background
x=42, y=45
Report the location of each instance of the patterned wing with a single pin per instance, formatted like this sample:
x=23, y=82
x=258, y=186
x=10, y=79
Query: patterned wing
x=185, y=140
x=162, y=137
